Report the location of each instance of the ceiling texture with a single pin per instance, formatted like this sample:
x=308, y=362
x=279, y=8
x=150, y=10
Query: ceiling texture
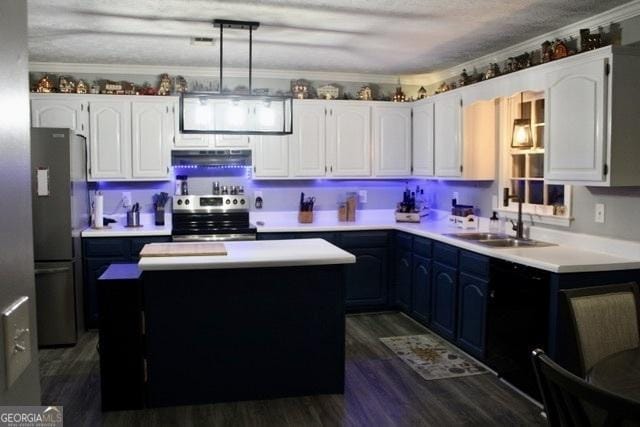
x=363, y=36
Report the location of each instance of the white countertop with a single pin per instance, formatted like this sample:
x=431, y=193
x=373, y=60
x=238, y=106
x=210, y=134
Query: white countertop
x=254, y=254
x=119, y=228
x=583, y=253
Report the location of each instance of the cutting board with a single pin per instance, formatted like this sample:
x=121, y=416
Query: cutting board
x=183, y=249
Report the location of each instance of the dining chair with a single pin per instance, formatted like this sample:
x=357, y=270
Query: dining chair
x=569, y=401
x=605, y=321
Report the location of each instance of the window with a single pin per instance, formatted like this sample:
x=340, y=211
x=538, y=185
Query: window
x=522, y=169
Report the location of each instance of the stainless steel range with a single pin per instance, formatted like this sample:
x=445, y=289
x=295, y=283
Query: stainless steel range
x=211, y=217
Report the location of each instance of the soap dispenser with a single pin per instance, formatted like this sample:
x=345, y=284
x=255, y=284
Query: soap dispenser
x=494, y=223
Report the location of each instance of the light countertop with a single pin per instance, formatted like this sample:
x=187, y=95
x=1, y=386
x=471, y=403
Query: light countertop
x=582, y=253
x=119, y=228
x=255, y=254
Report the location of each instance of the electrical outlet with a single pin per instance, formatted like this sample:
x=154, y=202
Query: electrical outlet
x=599, y=214
x=362, y=194
x=126, y=199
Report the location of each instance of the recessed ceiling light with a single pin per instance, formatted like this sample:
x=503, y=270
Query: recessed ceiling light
x=202, y=41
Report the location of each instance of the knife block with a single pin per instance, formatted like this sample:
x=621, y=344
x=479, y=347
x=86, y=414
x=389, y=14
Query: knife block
x=305, y=217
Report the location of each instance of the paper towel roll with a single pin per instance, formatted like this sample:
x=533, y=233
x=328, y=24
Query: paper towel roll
x=98, y=210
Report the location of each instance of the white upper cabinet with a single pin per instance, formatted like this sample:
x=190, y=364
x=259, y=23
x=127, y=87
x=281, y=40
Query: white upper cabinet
x=423, y=139
x=60, y=112
x=270, y=156
x=349, y=140
x=448, y=136
x=110, y=140
x=576, y=132
x=392, y=140
x=232, y=141
x=479, y=141
x=152, y=128
x=308, y=139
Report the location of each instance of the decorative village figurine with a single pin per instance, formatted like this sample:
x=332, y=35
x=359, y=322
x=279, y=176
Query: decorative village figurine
x=547, y=51
x=559, y=50
x=328, y=92
x=493, y=71
x=300, y=89
x=63, y=85
x=95, y=88
x=589, y=41
x=422, y=93
x=365, y=93
x=180, y=84
x=464, y=78
x=44, y=85
x=81, y=87
x=165, y=85
x=399, y=96
x=443, y=88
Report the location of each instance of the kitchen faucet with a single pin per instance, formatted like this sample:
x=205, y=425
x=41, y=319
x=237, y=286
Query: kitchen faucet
x=519, y=226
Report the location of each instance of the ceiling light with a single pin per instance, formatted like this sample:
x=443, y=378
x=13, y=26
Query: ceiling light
x=236, y=113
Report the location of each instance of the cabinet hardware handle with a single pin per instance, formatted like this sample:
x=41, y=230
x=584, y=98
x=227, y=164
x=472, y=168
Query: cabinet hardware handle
x=167, y=109
x=82, y=126
x=254, y=169
x=325, y=111
x=331, y=168
x=167, y=169
x=81, y=107
x=325, y=169
x=39, y=271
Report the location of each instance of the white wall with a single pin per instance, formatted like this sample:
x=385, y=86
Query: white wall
x=16, y=256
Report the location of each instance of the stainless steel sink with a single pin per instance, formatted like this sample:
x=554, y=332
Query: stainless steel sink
x=478, y=236
x=498, y=240
x=514, y=243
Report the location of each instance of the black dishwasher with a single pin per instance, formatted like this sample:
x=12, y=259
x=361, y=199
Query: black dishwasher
x=517, y=322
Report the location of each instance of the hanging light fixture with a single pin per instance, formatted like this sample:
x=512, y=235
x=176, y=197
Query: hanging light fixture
x=522, y=137
x=228, y=112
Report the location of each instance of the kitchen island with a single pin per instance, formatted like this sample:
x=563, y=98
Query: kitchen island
x=264, y=321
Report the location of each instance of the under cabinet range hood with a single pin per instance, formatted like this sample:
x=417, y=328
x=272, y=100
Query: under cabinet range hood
x=211, y=159
x=236, y=112
x=207, y=112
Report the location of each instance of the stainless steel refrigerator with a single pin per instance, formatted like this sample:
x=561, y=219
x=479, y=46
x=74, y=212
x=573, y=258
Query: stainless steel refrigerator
x=60, y=212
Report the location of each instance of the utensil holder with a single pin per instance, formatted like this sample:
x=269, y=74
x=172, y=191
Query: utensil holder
x=133, y=219
x=305, y=217
x=159, y=217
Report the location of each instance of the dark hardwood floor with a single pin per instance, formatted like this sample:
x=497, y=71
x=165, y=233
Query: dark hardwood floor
x=380, y=390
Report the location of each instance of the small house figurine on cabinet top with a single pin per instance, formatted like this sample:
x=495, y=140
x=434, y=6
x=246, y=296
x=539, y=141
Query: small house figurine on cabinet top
x=165, y=85
x=44, y=85
x=365, y=93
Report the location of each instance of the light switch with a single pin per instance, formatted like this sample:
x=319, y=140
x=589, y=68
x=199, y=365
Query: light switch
x=17, y=339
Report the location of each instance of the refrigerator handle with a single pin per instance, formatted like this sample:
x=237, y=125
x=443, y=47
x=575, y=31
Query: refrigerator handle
x=51, y=270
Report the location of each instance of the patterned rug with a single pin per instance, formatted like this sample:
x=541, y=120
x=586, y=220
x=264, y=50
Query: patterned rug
x=431, y=357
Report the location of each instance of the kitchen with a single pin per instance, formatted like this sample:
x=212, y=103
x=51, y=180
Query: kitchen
x=395, y=198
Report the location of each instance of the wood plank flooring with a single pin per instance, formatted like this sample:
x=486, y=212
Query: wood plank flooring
x=380, y=390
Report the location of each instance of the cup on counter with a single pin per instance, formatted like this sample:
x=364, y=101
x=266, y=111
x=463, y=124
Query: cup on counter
x=159, y=215
x=133, y=219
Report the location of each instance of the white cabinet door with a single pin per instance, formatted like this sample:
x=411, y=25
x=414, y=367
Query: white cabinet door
x=271, y=156
x=232, y=141
x=349, y=140
x=110, y=139
x=308, y=140
x=152, y=134
x=392, y=140
x=448, y=136
x=423, y=140
x=60, y=113
x=575, y=127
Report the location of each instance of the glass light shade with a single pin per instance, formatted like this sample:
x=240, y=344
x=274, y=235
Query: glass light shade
x=522, y=137
x=214, y=113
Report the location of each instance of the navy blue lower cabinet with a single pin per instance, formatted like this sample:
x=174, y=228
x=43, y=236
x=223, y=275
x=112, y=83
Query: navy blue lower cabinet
x=366, y=280
x=472, y=310
x=444, y=301
x=403, y=275
x=94, y=268
x=421, y=289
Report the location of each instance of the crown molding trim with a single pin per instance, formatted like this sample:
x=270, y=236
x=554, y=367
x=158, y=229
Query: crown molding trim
x=210, y=72
x=604, y=19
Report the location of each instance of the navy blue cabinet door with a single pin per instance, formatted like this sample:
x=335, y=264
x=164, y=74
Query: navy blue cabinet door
x=93, y=270
x=421, y=285
x=443, y=307
x=366, y=280
x=472, y=314
x=403, y=273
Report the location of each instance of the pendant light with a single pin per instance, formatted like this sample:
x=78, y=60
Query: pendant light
x=240, y=113
x=522, y=137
